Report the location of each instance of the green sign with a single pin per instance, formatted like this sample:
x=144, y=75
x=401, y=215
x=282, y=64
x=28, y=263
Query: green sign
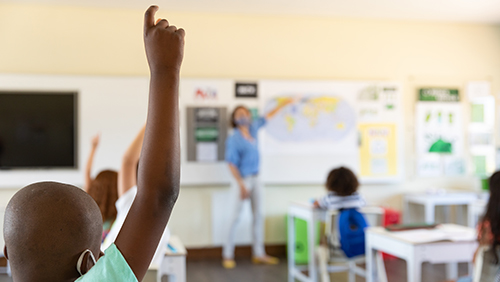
x=206, y=134
x=438, y=95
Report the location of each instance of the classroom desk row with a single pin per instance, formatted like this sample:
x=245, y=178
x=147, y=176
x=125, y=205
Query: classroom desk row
x=474, y=202
x=411, y=247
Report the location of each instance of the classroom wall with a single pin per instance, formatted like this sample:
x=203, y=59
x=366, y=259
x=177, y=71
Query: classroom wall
x=86, y=41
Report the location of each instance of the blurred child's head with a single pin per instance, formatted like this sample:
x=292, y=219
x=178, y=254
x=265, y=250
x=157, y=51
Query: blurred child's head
x=342, y=181
x=104, y=190
x=241, y=116
x=47, y=226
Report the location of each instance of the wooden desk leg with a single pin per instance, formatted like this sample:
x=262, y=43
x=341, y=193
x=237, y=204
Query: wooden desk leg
x=291, y=248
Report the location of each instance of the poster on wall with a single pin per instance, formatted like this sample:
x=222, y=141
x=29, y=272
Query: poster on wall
x=314, y=118
x=246, y=90
x=379, y=103
x=206, y=133
x=481, y=130
x=440, y=137
x=378, y=150
x=318, y=128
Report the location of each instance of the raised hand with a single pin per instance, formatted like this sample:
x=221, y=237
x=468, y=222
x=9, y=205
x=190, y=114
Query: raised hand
x=164, y=43
x=95, y=140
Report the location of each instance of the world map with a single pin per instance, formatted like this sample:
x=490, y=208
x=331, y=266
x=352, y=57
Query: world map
x=310, y=118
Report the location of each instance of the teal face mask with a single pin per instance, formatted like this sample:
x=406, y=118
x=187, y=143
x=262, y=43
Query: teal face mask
x=80, y=260
x=112, y=266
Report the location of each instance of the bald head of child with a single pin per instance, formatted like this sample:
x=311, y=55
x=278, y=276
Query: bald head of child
x=47, y=227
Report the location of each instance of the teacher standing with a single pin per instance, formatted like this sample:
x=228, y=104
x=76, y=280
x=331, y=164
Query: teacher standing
x=242, y=155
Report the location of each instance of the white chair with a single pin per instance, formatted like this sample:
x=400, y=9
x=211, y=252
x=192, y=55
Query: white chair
x=173, y=263
x=484, y=269
x=332, y=254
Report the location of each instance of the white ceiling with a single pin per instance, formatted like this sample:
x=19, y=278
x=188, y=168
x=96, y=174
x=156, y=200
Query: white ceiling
x=442, y=10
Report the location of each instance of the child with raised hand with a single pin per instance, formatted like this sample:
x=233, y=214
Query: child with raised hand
x=53, y=231
x=103, y=189
x=127, y=188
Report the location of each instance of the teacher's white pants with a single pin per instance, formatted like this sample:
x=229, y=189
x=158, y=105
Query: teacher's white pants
x=255, y=190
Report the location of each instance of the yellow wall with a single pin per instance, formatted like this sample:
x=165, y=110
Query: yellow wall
x=86, y=41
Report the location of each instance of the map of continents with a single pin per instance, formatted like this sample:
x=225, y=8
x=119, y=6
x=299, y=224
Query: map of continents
x=310, y=118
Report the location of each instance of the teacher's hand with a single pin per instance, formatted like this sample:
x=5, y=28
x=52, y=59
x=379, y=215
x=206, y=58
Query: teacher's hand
x=244, y=194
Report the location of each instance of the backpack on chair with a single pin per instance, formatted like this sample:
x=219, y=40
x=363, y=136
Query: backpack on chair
x=351, y=226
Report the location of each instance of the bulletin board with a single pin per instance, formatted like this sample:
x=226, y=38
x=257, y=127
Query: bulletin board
x=331, y=124
x=117, y=106
x=328, y=124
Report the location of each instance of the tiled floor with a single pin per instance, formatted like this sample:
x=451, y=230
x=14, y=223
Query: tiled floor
x=212, y=271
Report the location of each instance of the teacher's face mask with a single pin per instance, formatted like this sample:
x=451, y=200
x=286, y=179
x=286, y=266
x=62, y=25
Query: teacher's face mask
x=243, y=121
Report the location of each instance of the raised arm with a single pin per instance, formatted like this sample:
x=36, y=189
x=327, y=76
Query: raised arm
x=90, y=161
x=278, y=108
x=159, y=166
x=127, y=177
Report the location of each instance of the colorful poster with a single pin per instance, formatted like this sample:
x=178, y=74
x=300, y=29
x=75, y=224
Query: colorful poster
x=378, y=150
x=439, y=139
x=314, y=118
x=439, y=128
x=482, y=133
x=378, y=103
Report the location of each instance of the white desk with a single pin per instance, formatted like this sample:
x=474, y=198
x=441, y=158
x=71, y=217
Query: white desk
x=415, y=253
x=430, y=201
x=475, y=211
x=311, y=216
x=173, y=263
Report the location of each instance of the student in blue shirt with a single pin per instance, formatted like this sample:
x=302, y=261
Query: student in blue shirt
x=242, y=155
x=53, y=231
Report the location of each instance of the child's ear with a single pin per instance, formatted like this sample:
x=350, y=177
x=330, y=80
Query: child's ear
x=5, y=252
x=87, y=263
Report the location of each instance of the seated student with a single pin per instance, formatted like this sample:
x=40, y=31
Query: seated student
x=488, y=234
x=127, y=188
x=53, y=231
x=342, y=186
x=103, y=188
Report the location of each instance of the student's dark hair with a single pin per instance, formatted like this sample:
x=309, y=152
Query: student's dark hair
x=104, y=190
x=492, y=215
x=342, y=181
x=233, y=121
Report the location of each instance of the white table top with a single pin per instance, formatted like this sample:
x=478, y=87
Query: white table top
x=442, y=233
x=176, y=243
x=446, y=198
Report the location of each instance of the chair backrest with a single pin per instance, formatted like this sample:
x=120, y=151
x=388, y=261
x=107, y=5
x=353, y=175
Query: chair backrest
x=373, y=215
x=351, y=226
x=484, y=267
